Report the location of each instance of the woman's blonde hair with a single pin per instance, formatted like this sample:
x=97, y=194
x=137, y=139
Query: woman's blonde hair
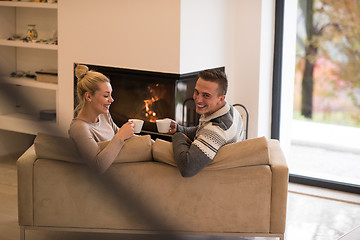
x=87, y=81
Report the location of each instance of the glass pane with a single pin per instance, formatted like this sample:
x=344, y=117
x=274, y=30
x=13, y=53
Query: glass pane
x=326, y=123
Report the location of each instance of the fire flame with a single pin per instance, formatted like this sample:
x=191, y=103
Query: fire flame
x=149, y=111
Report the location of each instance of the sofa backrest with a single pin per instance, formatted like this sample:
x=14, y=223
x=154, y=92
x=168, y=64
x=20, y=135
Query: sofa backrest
x=135, y=149
x=141, y=148
x=245, y=153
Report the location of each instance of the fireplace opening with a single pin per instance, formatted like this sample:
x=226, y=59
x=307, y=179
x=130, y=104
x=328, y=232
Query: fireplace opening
x=142, y=97
x=150, y=96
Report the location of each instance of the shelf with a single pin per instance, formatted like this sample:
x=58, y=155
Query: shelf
x=28, y=4
x=20, y=115
x=29, y=82
x=24, y=123
x=19, y=43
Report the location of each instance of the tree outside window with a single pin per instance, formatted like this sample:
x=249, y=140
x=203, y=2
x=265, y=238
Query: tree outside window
x=327, y=84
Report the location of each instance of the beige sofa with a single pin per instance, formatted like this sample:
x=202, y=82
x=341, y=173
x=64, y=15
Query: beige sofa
x=242, y=193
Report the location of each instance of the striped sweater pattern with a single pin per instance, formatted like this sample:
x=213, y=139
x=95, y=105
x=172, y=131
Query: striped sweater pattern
x=223, y=127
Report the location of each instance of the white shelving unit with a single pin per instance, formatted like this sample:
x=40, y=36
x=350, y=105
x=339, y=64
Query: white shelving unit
x=21, y=98
x=29, y=82
x=19, y=43
x=28, y=4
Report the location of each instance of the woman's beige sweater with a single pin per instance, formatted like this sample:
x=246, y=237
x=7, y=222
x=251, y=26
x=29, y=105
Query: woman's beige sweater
x=86, y=137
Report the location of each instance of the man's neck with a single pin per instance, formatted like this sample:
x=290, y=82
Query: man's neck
x=220, y=107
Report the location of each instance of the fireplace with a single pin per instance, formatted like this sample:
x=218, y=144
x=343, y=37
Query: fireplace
x=150, y=95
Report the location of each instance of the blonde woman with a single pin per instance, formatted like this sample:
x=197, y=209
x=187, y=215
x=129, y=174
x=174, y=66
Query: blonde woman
x=92, y=121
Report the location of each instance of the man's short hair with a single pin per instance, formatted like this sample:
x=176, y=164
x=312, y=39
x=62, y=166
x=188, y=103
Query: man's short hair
x=217, y=76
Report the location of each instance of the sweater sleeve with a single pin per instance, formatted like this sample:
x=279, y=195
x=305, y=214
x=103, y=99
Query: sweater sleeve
x=90, y=150
x=191, y=158
x=188, y=131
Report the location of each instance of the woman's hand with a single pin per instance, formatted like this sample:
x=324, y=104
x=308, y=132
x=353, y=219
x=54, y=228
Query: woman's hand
x=126, y=131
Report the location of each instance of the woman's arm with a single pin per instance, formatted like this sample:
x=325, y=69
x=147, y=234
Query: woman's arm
x=89, y=148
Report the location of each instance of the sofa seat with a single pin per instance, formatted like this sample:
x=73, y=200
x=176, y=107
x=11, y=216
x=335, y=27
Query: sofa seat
x=202, y=203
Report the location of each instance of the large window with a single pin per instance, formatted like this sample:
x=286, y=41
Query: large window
x=324, y=143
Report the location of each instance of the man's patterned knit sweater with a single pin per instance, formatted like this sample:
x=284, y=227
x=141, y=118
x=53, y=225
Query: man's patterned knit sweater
x=222, y=127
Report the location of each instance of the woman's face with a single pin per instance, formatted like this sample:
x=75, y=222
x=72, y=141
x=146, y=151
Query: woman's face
x=101, y=100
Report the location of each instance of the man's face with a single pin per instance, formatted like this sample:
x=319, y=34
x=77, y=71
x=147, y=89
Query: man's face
x=206, y=97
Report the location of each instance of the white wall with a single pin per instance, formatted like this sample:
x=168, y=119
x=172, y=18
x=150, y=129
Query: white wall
x=249, y=61
x=139, y=34
x=203, y=34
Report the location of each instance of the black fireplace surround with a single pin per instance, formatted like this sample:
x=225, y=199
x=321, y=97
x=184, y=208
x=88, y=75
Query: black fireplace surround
x=150, y=95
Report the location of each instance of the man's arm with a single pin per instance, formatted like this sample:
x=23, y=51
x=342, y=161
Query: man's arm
x=188, y=131
x=188, y=157
x=192, y=157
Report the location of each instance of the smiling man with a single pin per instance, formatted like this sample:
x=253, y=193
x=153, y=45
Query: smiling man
x=219, y=124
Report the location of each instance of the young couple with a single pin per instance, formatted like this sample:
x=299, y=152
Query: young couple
x=194, y=147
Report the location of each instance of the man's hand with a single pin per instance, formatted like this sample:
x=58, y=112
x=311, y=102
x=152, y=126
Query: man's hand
x=173, y=127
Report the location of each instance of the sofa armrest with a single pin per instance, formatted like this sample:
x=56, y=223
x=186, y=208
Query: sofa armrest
x=280, y=175
x=25, y=186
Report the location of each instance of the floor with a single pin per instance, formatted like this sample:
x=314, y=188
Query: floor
x=313, y=213
x=354, y=234
x=325, y=151
x=324, y=163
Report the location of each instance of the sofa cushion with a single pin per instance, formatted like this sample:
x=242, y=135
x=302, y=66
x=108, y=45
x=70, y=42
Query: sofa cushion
x=245, y=153
x=135, y=149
